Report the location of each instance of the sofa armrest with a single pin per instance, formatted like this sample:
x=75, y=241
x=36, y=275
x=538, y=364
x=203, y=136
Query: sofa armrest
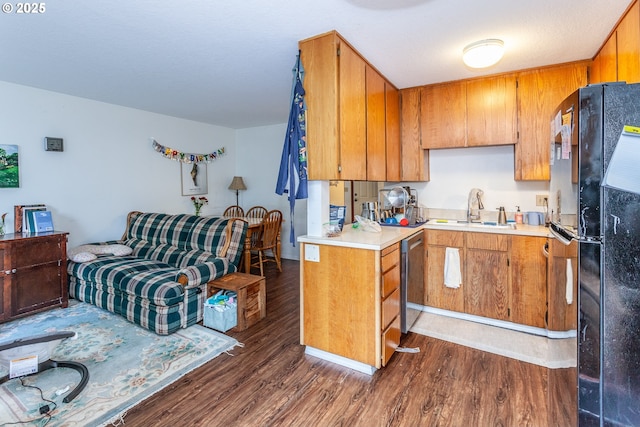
x=198, y=274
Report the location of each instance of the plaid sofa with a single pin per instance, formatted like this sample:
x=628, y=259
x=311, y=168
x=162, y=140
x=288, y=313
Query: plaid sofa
x=162, y=285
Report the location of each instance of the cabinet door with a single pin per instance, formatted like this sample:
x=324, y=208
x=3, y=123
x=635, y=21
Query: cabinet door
x=528, y=281
x=628, y=46
x=491, y=111
x=319, y=55
x=392, y=119
x=415, y=160
x=437, y=294
x=443, y=115
x=5, y=286
x=376, y=126
x=38, y=280
x=609, y=60
x=539, y=93
x=487, y=275
x=562, y=316
x=352, y=115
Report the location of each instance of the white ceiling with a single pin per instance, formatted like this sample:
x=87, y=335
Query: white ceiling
x=229, y=63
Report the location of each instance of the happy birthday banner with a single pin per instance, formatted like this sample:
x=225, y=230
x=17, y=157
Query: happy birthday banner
x=173, y=154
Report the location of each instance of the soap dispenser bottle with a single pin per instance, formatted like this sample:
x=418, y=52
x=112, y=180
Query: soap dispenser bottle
x=519, y=218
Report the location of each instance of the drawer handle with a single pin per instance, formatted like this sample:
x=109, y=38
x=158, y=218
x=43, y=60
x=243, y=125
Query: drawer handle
x=10, y=271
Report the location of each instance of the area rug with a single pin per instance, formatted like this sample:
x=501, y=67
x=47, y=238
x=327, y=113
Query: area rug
x=126, y=365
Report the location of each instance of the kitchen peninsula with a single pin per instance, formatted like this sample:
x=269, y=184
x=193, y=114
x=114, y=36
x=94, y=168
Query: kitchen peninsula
x=350, y=299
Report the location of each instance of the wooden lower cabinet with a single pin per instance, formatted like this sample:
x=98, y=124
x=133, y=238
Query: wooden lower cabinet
x=562, y=316
x=486, y=292
x=33, y=273
x=528, y=281
x=351, y=302
x=503, y=276
x=436, y=293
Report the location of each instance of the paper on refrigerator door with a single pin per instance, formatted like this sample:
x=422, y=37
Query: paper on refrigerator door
x=623, y=171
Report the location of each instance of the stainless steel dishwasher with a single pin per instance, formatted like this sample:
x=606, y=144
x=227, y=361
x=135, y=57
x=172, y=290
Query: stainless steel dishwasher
x=411, y=280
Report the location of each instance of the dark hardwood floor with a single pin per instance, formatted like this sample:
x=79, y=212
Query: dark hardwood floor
x=271, y=382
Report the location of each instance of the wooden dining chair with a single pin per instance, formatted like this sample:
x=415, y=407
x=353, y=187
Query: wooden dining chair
x=268, y=241
x=234, y=211
x=256, y=212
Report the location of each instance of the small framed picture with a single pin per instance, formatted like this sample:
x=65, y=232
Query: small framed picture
x=9, y=171
x=194, y=178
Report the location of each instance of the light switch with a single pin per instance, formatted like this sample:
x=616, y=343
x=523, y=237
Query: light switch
x=312, y=253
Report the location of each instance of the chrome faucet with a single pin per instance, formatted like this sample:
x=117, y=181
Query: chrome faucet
x=474, y=205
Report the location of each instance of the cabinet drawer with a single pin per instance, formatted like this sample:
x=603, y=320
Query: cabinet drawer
x=40, y=251
x=488, y=241
x=390, y=308
x=445, y=238
x=390, y=255
x=390, y=340
x=390, y=280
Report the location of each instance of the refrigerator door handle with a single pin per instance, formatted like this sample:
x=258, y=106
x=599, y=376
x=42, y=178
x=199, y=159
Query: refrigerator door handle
x=563, y=236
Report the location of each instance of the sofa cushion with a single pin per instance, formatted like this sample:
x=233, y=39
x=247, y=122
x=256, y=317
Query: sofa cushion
x=159, y=286
x=162, y=229
x=167, y=254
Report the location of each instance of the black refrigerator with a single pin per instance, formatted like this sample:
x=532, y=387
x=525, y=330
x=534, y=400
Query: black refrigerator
x=606, y=223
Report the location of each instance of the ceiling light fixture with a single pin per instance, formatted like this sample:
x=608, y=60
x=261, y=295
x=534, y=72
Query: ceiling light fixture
x=483, y=53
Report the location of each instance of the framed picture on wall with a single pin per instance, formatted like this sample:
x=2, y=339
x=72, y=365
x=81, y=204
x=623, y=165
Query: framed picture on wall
x=194, y=178
x=9, y=171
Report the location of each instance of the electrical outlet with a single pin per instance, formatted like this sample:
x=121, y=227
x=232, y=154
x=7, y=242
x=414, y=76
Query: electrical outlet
x=540, y=199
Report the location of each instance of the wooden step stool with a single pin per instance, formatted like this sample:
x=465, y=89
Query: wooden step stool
x=251, y=291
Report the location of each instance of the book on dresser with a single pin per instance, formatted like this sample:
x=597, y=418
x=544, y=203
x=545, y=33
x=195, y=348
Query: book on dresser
x=24, y=220
x=42, y=221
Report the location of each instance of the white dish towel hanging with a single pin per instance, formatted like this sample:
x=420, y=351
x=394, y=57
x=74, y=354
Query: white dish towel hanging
x=452, y=274
x=569, y=284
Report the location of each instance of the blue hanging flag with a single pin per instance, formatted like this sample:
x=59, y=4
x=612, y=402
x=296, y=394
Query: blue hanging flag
x=293, y=164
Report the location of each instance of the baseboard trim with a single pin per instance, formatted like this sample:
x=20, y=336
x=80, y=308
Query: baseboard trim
x=340, y=360
x=501, y=323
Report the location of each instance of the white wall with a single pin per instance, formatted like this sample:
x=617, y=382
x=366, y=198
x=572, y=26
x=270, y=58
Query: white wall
x=456, y=171
x=108, y=166
x=259, y=151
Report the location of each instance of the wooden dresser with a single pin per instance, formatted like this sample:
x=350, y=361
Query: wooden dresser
x=33, y=273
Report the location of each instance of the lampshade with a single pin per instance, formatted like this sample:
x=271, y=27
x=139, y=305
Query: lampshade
x=483, y=53
x=237, y=184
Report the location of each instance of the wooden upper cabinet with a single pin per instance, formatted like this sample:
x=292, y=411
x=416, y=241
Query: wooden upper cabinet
x=628, y=46
x=392, y=117
x=443, y=115
x=491, y=111
x=376, y=126
x=353, y=117
x=608, y=61
x=539, y=93
x=336, y=108
x=353, y=128
x=414, y=160
x=469, y=113
x=320, y=60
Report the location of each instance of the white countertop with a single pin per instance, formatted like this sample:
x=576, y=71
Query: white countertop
x=357, y=238
x=511, y=228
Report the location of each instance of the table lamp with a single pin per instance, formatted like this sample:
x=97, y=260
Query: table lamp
x=237, y=184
